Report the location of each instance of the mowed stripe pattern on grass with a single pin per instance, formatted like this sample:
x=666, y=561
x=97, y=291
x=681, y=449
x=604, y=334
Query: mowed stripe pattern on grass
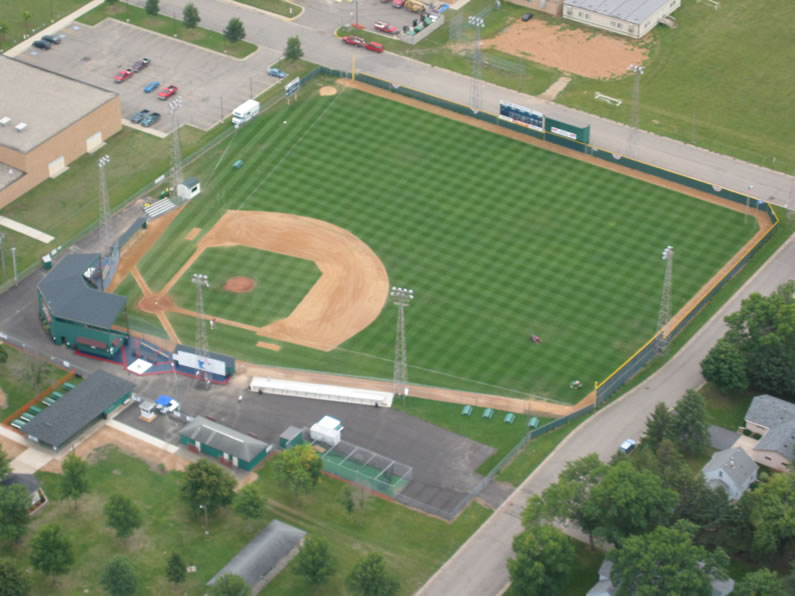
x=497, y=238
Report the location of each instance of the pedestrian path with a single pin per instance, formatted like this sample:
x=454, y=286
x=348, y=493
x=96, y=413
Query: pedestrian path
x=26, y=230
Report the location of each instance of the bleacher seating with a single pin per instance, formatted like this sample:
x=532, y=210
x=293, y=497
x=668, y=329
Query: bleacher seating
x=487, y=413
x=467, y=411
x=509, y=418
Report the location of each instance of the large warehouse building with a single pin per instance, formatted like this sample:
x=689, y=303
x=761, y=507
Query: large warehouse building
x=46, y=122
x=633, y=18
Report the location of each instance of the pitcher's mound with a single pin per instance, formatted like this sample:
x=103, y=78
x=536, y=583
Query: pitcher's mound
x=155, y=303
x=239, y=284
x=327, y=90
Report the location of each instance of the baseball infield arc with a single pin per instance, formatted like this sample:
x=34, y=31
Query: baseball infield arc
x=349, y=295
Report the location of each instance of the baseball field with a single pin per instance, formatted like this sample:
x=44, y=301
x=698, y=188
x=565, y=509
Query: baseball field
x=342, y=196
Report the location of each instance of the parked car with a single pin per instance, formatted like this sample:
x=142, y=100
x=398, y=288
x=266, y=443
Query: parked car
x=150, y=119
x=138, y=116
x=527, y=16
x=52, y=39
x=628, y=445
x=275, y=72
x=374, y=46
x=151, y=86
x=354, y=40
x=42, y=44
x=385, y=27
x=167, y=92
x=123, y=75
x=398, y=3
x=141, y=64
x=172, y=406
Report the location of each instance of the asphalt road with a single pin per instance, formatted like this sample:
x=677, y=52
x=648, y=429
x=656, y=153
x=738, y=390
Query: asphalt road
x=478, y=567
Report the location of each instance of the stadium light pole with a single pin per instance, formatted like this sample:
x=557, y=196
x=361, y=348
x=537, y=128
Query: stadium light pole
x=106, y=233
x=477, y=62
x=747, y=202
x=635, y=118
x=176, y=150
x=3, y=255
x=401, y=297
x=667, y=296
x=202, y=348
x=14, y=263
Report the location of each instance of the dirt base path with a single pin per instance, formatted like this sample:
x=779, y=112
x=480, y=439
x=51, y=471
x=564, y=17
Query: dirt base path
x=161, y=315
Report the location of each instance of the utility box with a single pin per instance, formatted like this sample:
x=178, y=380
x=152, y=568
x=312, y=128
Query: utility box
x=291, y=437
x=328, y=430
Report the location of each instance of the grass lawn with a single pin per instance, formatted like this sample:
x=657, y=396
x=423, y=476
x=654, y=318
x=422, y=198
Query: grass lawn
x=413, y=544
x=42, y=14
x=280, y=282
x=280, y=7
x=726, y=410
x=16, y=382
x=547, y=259
x=492, y=432
x=166, y=25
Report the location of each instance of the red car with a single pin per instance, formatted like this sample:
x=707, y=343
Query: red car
x=374, y=46
x=123, y=75
x=398, y=3
x=385, y=27
x=167, y=92
x=353, y=40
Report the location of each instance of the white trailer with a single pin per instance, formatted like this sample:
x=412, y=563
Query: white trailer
x=245, y=112
x=351, y=395
x=328, y=430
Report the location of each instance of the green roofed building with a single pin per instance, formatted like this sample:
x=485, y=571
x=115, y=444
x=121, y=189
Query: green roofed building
x=232, y=448
x=64, y=420
x=75, y=310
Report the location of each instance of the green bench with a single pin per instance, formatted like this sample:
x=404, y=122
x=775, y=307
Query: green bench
x=48, y=401
x=467, y=411
x=487, y=413
x=509, y=418
x=56, y=395
x=238, y=164
x=26, y=417
x=19, y=423
x=68, y=386
x=35, y=410
x=533, y=423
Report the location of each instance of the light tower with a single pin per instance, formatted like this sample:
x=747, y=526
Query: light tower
x=176, y=150
x=106, y=232
x=667, y=294
x=202, y=347
x=477, y=63
x=635, y=117
x=401, y=297
x=3, y=255
x=747, y=202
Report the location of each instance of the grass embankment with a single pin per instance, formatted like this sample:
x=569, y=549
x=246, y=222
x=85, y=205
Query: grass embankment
x=279, y=7
x=30, y=16
x=23, y=376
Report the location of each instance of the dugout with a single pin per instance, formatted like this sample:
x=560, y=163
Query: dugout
x=75, y=310
x=230, y=447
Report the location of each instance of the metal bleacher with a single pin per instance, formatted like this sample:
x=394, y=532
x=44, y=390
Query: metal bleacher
x=159, y=208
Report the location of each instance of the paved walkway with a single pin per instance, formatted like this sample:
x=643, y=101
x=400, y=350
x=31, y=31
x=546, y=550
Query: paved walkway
x=26, y=230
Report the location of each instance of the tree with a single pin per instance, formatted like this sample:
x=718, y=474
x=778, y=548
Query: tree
x=725, y=366
x=250, y=503
x=230, y=585
x=771, y=514
x=208, y=484
x=13, y=582
x=190, y=16
x=118, y=577
x=51, y=552
x=369, y=577
x=628, y=501
x=298, y=468
x=235, y=31
x=5, y=464
x=122, y=515
x=35, y=373
x=689, y=429
x=665, y=561
x=75, y=477
x=315, y=562
x=293, y=50
x=544, y=559
x=176, y=570
x=564, y=500
x=14, y=512
x=152, y=7
x=761, y=582
x=354, y=498
x=26, y=16
x=3, y=349
x=658, y=426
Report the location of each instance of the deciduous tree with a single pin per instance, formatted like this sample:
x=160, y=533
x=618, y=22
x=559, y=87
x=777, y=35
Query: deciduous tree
x=689, y=430
x=208, y=484
x=293, y=50
x=369, y=577
x=190, y=16
x=176, y=570
x=5, y=464
x=235, y=30
x=544, y=558
x=122, y=515
x=230, y=585
x=725, y=366
x=152, y=7
x=771, y=509
x=761, y=582
x=315, y=562
x=14, y=515
x=298, y=469
x=75, y=477
x=118, y=577
x=51, y=551
x=250, y=503
x=13, y=582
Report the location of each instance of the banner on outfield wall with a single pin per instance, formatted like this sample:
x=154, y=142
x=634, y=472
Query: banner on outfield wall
x=581, y=134
x=191, y=360
x=292, y=87
x=521, y=115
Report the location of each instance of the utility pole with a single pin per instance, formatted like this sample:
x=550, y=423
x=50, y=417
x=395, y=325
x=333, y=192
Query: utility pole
x=747, y=202
x=14, y=262
x=667, y=295
x=635, y=117
x=477, y=63
x=176, y=150
x=401, y=297
x=202, y=347
x=106, y=229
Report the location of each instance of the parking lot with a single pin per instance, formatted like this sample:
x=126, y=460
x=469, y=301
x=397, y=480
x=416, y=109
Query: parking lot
x=371, y=11
x=444, y=463
x=211, y=84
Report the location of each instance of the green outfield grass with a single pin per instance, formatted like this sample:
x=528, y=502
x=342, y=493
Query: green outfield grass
x=143, y=322
x=280, y=282
x=498, y=239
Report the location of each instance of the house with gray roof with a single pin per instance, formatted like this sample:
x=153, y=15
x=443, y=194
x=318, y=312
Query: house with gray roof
x=232, y=448
x=264, y=557
x=731, y=469
x=632, y=18
x=79, y=408
x=774, y=419
x=29, y=483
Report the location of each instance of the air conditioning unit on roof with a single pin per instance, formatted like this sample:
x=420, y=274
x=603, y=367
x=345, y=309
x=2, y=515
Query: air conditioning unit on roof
x=5, y=121
x=21, y=126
